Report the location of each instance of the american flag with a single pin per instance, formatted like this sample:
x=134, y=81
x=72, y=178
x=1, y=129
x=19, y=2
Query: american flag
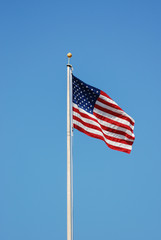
x=98, y=116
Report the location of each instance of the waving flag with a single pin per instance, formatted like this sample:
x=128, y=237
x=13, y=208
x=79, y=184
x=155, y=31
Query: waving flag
x=98, y=116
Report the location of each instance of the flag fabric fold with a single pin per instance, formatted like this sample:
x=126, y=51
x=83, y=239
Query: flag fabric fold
x=98, y=116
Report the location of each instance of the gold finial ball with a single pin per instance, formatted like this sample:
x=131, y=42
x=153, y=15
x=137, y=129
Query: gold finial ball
x=69, y=55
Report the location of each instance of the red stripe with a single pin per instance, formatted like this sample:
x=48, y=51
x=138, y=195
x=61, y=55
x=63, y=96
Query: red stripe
x=105, y=94
x=112, y=105
x=114, y=114
x=114, y=139
x=108, y=103
x=117, y=131
x=101, y=138
x=86, y=124
x=112, y=130
x=83, y=114
x=112, y=121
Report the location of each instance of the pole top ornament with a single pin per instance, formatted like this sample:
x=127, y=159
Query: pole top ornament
x=69, y=55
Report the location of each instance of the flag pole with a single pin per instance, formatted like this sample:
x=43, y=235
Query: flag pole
x=69, y=152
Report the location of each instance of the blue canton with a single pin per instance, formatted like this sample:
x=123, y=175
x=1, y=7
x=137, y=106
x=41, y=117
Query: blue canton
x=84, y=95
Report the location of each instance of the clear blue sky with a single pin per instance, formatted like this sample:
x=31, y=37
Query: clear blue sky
x=116, y=47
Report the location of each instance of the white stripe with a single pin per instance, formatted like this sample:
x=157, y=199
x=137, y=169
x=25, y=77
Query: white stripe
x=90, y=130
x=104, y=123
x=113, y=126
x=117, y=119
x=110, y=134
x=87, y=120
x=113, y=109
x=108, y=99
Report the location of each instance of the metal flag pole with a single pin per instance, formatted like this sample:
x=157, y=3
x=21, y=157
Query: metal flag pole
x=69, y=152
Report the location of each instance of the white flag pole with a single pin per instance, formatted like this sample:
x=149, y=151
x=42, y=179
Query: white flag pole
x=69, y=152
